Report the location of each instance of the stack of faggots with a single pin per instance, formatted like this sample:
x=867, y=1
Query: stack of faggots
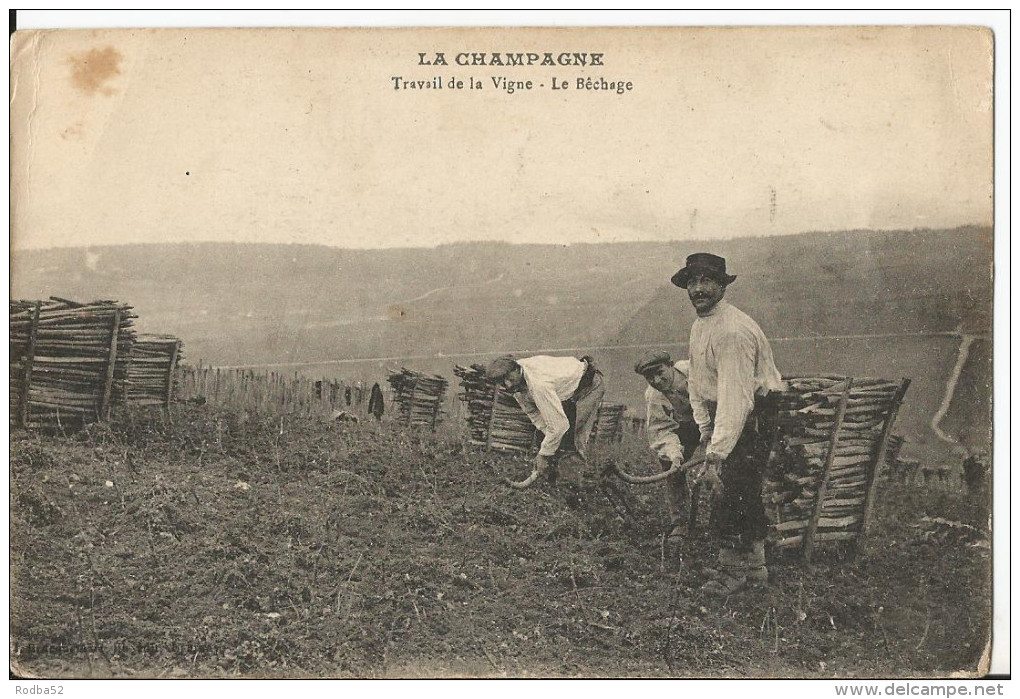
x=68, y=360
x=831, y=433
x=495, y=419
x=150, y=374
x=419, y=397
x=609, y=424
x=477, y=393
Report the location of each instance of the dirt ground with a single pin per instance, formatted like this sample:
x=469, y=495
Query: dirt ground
x=222, y=545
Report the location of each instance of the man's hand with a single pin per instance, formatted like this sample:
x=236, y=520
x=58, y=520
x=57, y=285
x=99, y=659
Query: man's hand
x=697, y=467
x=547, y=466
x=710, y=475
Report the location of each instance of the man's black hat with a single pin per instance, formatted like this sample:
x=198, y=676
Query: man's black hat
x=706, y=263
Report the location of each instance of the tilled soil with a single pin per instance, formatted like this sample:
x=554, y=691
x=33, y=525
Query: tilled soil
x=218, y=544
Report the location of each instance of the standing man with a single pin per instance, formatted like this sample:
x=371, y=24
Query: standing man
x=732, y=373
x=376, y=406
x=673, y=434
x=560, y=395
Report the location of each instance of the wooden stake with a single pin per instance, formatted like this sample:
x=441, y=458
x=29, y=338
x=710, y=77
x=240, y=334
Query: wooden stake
x=876, y=470
x=26, y=377
x=104, y=407
x=170, y=373
x=435, y=412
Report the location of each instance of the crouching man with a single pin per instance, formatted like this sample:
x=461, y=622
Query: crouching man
x=673, y=433
x=560, y=395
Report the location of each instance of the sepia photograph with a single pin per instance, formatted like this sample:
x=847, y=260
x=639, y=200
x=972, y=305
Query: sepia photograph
x=425, y=352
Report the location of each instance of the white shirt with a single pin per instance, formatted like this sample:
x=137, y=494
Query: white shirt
x=550, y=381
x=665, y=412
x=731, y=363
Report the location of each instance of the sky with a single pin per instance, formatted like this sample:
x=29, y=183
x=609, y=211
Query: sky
x=299, y=135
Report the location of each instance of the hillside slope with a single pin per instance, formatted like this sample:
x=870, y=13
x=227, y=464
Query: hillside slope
x=877, y=303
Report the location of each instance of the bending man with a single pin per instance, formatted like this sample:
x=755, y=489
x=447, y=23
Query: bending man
x=560, y=395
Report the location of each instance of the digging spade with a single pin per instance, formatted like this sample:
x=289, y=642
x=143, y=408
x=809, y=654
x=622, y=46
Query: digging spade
x=696, y=460
x=542, y=465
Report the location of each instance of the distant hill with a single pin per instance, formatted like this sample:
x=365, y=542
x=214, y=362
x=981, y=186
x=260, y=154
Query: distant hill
x=847, y=283
x=254, y=304
x=289, y=303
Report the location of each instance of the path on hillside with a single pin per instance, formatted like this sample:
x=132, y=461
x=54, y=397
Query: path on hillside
x=446, y=288
x=954, y=377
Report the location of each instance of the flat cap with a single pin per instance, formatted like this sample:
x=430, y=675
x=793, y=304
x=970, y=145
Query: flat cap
x=652, y=360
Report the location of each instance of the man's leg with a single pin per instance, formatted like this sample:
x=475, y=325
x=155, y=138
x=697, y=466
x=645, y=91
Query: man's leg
x=677, y=495
x=568, y=444
x=567, y=464
x=690, y=438
x=743, y=517
x=740, y=520
x=581, y=413
x=587, y=406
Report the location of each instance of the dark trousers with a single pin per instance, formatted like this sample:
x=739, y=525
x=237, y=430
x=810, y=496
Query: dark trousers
x=739, y=514
x=678, y=491
x=567, y=444
x=690, y=436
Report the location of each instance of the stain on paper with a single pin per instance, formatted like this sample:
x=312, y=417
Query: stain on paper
x=92, y=71
x=74, y=132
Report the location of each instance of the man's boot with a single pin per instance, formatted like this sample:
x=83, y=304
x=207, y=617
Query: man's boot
x=571, y=468
x=756, y=570
x=739, y=568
